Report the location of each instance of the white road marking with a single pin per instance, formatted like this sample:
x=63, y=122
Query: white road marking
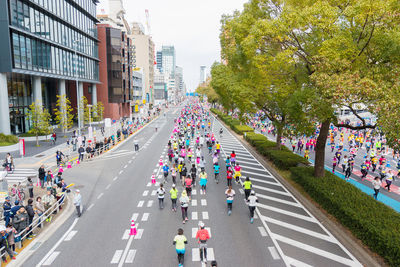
x=148, y=184
x=294, y=262
x=293, y=214
x=194, y=192
x=70, y=235
x=128, y=245
x=262, y=231
x=131, y=256
x=140, y=204
x=145, y=193
x=134, y=216
x=52, y=257
x=116, y=257
x=205, y=215
x=91, y=206
x=108, y=187
x=160, y=176
x=204, y=202
x=121, y=171
x=115, y=178
x=125, y=166
x=130, y=161
x=139, y=234
x=271, y=190
x=194, y=202
x=299, y=229
x=194, y=215
x=279, y=200
x=150, y=203
x=196, y=254
x=58, y=243
x=274, y=253
x=314, y=250
x=125, y=236
x=154, y=192
x=145, y=217
x=101, y=194
x=241, y=191
x=155, y=170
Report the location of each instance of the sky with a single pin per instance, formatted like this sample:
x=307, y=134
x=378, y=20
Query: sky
x=191, y=26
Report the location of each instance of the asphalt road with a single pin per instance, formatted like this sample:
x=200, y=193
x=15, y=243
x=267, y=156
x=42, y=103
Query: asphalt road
x=116, y=188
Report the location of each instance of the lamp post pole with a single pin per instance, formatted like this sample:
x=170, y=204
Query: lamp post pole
x=78, y=98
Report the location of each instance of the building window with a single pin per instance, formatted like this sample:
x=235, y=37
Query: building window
x=16, y=51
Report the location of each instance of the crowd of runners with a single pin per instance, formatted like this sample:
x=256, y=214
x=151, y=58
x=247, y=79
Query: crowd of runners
x=369, y=147
x=192, y=144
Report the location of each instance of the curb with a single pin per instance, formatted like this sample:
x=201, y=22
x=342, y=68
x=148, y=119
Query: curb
x=342, y=234
x=33, y=246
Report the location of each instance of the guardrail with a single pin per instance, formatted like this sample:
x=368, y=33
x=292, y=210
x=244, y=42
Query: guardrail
x=39, y=220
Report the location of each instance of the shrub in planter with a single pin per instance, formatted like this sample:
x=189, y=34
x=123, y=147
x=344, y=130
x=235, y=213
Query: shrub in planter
x=285, y=159
x=241, y=129
x=8, y=140
x=374, y=223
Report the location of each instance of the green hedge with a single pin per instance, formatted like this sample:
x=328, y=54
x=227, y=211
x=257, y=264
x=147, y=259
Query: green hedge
x=284, y=159
x=8, y=140
x=374, y=223
x=241, y=129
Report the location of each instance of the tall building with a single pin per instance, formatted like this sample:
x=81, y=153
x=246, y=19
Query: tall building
x=47, y=47
x=202, y=74
x=160, y=88
x=168, y=60
x=143, y=58
x=159, y=61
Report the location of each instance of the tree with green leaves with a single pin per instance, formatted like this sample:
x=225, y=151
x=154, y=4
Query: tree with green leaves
x=40, y=120
x=348, y=53
x=98, y=111
x=85, y=111
x=63, y=113
x=207, y=90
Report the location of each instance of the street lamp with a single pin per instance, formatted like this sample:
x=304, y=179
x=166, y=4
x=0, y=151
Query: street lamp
x=90, y=120
x=78, y=99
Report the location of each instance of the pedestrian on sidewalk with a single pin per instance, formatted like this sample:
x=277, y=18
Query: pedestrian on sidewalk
x=77, y=202
x=161, y=195
x=29, y=185
x=376, y=183
x=180, y=241
x=4, y=244
x=31, y=214
x=42, y=174
x=174, y=195
x=184, y=200
x=11, y=232
x=203, y=236
x=59, y=157
x=21, y=221
x=252, y=202
x=7, y=210
x=81, y=151
x=39, y=209
x=48, y=201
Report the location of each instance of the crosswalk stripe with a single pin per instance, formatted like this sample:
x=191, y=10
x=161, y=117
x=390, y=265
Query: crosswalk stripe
x=289, y=213
x=150, y=203
x=135, y=216
x=204, y=202
x=194, y=192
x=194, y=215
x=194, y=202
x=154, y=192
x=205, y=215
x=116, y=257
x=140, y=204
x=145, y=193
x=131, y=256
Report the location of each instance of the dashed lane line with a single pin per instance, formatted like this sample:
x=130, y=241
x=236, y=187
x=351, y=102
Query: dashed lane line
x=117, y=256
x=140, y=204
x=274, y=253
x=70, y=235
x=145, y=216
x=108, y=187
x=101, y=194
x=145, y=193
x=50, y=259
x=90, y=207
x=131, y=256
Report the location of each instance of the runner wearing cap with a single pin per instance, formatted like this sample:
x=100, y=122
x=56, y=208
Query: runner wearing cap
x=202, y=235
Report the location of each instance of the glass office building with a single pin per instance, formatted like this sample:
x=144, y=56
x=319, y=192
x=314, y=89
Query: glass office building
x=46, y=45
